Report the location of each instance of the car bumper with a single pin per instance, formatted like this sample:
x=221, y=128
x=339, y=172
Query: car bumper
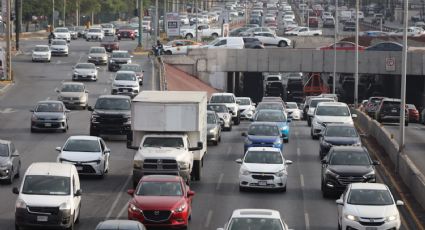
x=175, y=220
x=88, y=168
x=391, y=118
x=370, y=226
x=48, y=125
x=40, y=58
x=74, y=103
x=125, y=91
x=110, y=128
x=295, y=115
x=227, y=123
x=139, y=173
x=97, y=61
x=212, y=137
x=247, y=114
x=248, y=181
x=115, y=66
x=5, y=174
x=316, y=129
x=83, y=77
x=58, y=53
x=279, y=146
x=23, y=218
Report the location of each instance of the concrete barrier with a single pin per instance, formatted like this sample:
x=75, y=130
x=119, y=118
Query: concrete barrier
x=409, y=173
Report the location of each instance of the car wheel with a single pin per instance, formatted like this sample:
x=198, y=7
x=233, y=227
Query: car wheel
x=17, y=227
x=18, y=172
x=230, y=128
x=79, y=212
x=406, y=123
x=71, y=227
x=282, y=44
x=215, y=142
x=10, y=180
x=242, y=189
x=189, y=36
x=168, y=52
x=214, y=35
x=308, y=122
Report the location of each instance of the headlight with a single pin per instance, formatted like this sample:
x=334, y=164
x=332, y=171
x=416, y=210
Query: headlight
x=65, y=206
x=248, y=141
x=90, y=57
x=245, y=172
x=330, y=173
x=391, y=218
x=75, y=73
x=284, y=127
x=277, y=142
x=351, y=217
x=183, y=165
x=212, y=130
x=316, y=123
x=134, y=208
x=181, y=208
x=225, y=116
x=281, y=173
x=111, y=61
x=128, y=61
x=34, y=117
x=370, y=174
x=137, y=164
x=20, y=204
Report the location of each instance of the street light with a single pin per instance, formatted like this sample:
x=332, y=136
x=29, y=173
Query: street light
x=335, y=40
x=356, y=64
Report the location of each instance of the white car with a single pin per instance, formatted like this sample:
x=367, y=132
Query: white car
x=41, y=53
x=363, y=205
x=180, y=46
x=125, y=83
x=270, y=39
x=229, y=100
x=312, y=107
x=244, y=219
x=89, y=154
x=59, y=47
x=293, y=111
x=108, y=29
x=62, y=33
x=184, y=19
x=263, y=167
x=330, y=112
x=223, y=113
x=95, y=34
x=246, y=107
x=303, y=31
x=85, y=71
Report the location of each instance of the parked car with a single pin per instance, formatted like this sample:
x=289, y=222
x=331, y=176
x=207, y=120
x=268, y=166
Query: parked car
x=303, y=31
x=110, y=43
x=59, y=48
x=49, y=115
x=213, y=127
x=73, y=94
x=125, y=83
x=180, y=46
x=270, y=39
x=335, y=134
x=85, y=71
x=223, y=114
x=342, y=45
x=41, y=53
x=329, y=22
x=161, y=201
x=97, y=55
x=10, y=161
x=263, y=134
x=385, y=46
x=413, y=113
x=226, y=42
x=255, y=218
x=389, y=111
x=372, y=106
x=136, y=68
x=120, y=225
x=118, y=58
x=252, y=43
x=89, y=154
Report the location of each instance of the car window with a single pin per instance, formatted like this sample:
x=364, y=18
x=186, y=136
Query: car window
x=244, y=101
x=349, y=158
x=135, y=68
x=61, y=30
x=263, y=130
x=273, y=106
x=270, y=116
x=72, y=88
x=341, y=131
x=112, y=104
x=255, y=224
x=49, y=107
x=263, y=157
x=41, y=48
x=163, y=142
x=222, y=99
x=85, y=66
x=291, y=106
x=370, y=197
x=46, y=185
x=125, y=77
x=211, y=119
x=339, y=111
x=120, y=55
x=97, y=50
x=59, y=42
x=4, y=150
x=150, y=188
x=221, y=43
x=218, y=108
x=313, y=103
x=78, y=145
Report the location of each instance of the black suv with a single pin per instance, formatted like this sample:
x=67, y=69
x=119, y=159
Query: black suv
x=389, y=111
x=345, y=165
x=349, y=26
x=252, y=43
x=111, y=115
x=335, y=134
x=118, y=58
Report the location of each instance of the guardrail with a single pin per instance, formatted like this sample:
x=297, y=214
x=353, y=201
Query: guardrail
x=409, y=173
x=377, y=27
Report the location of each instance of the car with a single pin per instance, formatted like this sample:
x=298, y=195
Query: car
x=246, y=107
x=303, y=31
x=59, y=47
x=95, y=34
x=263, y=167
x=386, y=46
x=253, y=30
x=372, y=106
x=136, y=68
x=120, y=225
x=330, y=112
x=413, y=113
x=272, y=99
x=269, y=105
x=73, y=94
x=374, y=33
x=108, y=29
x=80, y=30
x=10, y=161
x=243, y=219
x=41, y=53
x=49, y=115
x=97, y=55
x=236, y=31
x=126, y=32
x=118, y=58
x=349, y=26
x=62, y=33
x=345, y=165
x=311, y=108
x=180, y=46
x=252, y=43
x=335, y=134
x=110, y=43
x=262, y=134
x=389, y=111
x=85, y=71
x=73, y=32
x=48, y=197
x=161, y=200
x=213, y=127
x=313, y=22
x=293, y=111
x=89, y=154
x=226, y=42
x=223, y=114
x=329, y=22
x=125, y=83
x=277, y=116
x=342, y=45
x=270, y=39
x=229, y=100
x=111, y=115
x=355, y=205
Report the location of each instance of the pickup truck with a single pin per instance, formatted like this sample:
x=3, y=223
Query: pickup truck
x=203, y=31
x=303, y=31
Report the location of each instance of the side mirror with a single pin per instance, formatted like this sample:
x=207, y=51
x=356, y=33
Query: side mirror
x=354, y=115
x=31, y=110
x=130, y=192
x=323, y=161
x=90, y=108
x=107, y=151
x=399, y=203
x=78, y=192
x=288, y=162
x=15, y=190
x=243, y=134
x=239, y=161
x=375, y=162
x=57, y=91
x=190, y=193
x=339, y=202
x=67, y=110
x=58, y=149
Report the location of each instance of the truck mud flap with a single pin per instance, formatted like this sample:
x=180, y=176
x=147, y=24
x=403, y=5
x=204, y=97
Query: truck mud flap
x=197, y=170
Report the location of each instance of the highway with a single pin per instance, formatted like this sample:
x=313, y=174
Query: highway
x=217, y=194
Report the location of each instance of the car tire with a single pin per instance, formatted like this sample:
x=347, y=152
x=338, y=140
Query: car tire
x=188, y=36
x=71, y=227
x=17, y=227
x=308, y=122
x=282, y=44
x=285, y=140
x=197, y=170
x=215, y=143
x=10, y=179
x=168, y=52
x=242, y=189
x=32, y=130
x=230, y=128
x=406, y=123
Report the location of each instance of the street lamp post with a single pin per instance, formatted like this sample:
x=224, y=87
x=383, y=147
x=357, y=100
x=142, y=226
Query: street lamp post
x=356, y=64
x=53, y=14
x=335, y=40
x=140, y=8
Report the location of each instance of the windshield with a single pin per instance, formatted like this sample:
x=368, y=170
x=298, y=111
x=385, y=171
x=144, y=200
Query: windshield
x=370, y=197
x=46, y=185
x=106, y=26
x=120, y=55
x=222, y=99
x=85, y=66
x=263, y=157
x=273, y=106
x=255, y=224
x=135, y=68
x=211, y=119
x=95, y=30
x=271, y=116
x=125, y=77
x=75, y=145
x=59, y=42
x=218, y=108
x=4, y=150
x=339, y=111
x=291, y=105
x=41, y=48
x=49, y=107
x=263, y=130
x=109, y=39
x=349, y=158
x=62, y=30
x=97, y=51
x=72, y=88
x=341, y=131
x=313, y=103
x=153, y=188
x=112, y=104
x=244, y=101
x=172, y=142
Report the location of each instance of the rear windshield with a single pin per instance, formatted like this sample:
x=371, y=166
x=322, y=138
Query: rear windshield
x=314, y=103
x=222, y=99
x=340, y=111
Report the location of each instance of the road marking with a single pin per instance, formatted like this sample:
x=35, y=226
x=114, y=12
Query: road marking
x=219, y=181
x=298, y=152
x=79, y=59
x=121, y=191
x=208, y=221
x=7, y=110
x=122, y=210
x=229, y=149
x=104, y=90
x=307, y=221
x=302, y=180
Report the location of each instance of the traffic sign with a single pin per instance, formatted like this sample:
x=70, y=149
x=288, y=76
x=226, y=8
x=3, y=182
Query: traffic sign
x=390, y=64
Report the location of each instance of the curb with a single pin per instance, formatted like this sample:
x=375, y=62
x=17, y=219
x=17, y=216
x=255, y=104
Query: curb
x=7, y=86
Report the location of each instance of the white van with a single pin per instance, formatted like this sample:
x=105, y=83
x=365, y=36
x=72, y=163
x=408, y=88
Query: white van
x=227, y=42
x=49, y=196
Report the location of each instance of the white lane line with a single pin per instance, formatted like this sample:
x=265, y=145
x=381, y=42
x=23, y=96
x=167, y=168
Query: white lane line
x=220, y=179
x=229, y=149
x=307, y=221
x=208, y=221
x=104, y=90
x=118, y=197
x=121, y=213
x=302, y=180
x=298, y=152
x=81, y=56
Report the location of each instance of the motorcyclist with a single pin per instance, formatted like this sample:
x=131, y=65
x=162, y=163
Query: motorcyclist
x=51, y=37
x=159, y=48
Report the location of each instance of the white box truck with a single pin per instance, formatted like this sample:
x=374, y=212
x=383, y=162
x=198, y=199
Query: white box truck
x=169, y=132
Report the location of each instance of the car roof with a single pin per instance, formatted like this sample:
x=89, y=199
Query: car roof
x=124, y=71
x=41, y=46
x=270, y=110
x=263, y=213
x=49, y=101
x=268, y=149
x=332, y=104
x=118, y=224
x=119, y=51
x=391, y=99
x=5, y=141
x=243, y=98
x=161, y=178
x=83, y=137
x=114, y=96
x=377, y=186
x=321, y=98
x=348, y=148
x=72, y=83
x=339, y=125
x=222, y=94
x=263, y=123
x=49, y=168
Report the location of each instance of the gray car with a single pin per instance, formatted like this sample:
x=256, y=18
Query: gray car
x=10, y=161
x=49, y=115
x=85, y=71
x=118, y=58
x=98, y=56
x=73, y=94
x=120, y=224
x=213, y=127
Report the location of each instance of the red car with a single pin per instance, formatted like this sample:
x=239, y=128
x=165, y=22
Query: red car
x=110, y=43
x=413, y=113
x=161, y=200
x=343, y=45
x=126, y=33
x=313, y=22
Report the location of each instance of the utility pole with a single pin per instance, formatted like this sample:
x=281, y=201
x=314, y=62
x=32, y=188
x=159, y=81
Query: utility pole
x=77, y=15
x=356, y=64
x=18, y=20
x=335, y=40
x=140, y=11
x=197, y=19
x=8, y=45
x=53, y=15
x=64, y=12
x=156, y=21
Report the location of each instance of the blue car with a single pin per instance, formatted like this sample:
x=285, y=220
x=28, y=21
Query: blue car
x=277, y=116
x=263, y=134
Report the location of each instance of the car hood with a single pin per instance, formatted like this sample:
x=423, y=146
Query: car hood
x=44, y=200
x=97, y=55
x=72, y=94
x=372, y=211
x=58, y=47
x=221, y=115
x=334, y=119
x=133, y=83
x=49, y=115
x=85, y=71
x=80, y=156
x=342, y=140
x=350, y=170
x=40, y=52
x=263, y=168
x=112, y=112
x=244, y=106
x=121, y=59
x=265, y=139
x=4, y=161
x=163, y=153
x=292, y=110
x=157, y=202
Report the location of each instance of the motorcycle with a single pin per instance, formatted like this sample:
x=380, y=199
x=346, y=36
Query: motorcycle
x=158, y=50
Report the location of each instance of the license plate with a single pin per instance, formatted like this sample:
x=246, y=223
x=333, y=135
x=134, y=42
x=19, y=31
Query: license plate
x=42, y=218
x=262, y=183
x=47, y=124
x=79, y=168
x=125, y=90
x=394, y=111
x=371, y=228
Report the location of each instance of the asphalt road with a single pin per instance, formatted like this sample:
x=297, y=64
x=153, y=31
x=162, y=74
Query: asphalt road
x=217, y=194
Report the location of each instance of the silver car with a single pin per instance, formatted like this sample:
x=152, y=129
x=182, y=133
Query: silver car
x=213, y=128
x=73, y=94
x=59, y=47
x=223, y=113
x=10, y=161
x=85, y=71
x=49, y=115
x=98, y=56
